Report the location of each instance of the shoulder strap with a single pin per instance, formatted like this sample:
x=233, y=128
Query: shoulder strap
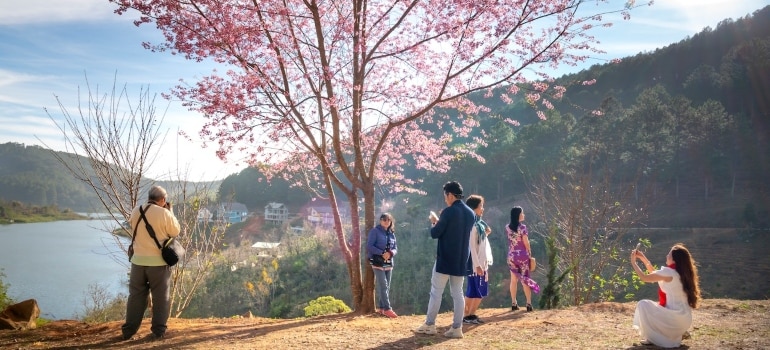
x=150, y=230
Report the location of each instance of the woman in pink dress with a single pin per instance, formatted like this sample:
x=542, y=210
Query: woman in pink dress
x=519, y=253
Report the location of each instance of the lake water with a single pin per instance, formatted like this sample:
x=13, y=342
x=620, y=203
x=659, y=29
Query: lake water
x=56, y=262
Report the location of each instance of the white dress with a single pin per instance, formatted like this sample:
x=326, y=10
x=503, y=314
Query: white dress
x=664, y=326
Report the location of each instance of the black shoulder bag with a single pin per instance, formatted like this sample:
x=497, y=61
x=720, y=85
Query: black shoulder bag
x=171, y=250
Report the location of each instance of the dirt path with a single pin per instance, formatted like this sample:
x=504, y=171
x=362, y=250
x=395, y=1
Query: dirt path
x=718, y=324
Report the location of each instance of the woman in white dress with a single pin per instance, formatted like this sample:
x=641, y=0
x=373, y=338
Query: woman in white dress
x=664, y=323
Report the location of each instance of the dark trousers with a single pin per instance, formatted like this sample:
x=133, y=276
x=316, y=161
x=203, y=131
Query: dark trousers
x=142, y=281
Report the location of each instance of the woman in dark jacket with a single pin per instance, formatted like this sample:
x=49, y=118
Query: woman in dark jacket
x=380, y=248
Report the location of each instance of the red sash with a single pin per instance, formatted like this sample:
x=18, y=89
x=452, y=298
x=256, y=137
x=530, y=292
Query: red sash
x=661, y=294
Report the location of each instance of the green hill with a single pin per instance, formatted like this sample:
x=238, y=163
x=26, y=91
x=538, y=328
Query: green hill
x=32, y=175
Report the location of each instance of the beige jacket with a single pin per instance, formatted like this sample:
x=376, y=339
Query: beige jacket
x=165, y=224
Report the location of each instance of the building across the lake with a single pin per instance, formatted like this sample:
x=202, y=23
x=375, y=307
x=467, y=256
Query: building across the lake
x=276, y=212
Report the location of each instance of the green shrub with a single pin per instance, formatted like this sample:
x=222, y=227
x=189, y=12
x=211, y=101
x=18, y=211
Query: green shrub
x=326, y=305
x=551, y=295
x=4, y=299
x=101, y=306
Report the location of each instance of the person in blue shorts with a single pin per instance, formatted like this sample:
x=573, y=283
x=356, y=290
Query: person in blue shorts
x=477, y=281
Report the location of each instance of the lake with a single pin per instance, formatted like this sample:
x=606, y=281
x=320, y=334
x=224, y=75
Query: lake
x=56, y=262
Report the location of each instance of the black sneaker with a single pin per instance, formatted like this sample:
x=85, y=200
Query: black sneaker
x=529, y=308
x=467, y=320
x=514, y=307
x=477, y=320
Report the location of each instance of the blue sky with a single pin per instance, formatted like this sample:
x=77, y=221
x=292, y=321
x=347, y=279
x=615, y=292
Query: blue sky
x=47, y=48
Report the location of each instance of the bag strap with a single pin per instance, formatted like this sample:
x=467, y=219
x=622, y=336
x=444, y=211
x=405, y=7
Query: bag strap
x=147, y=225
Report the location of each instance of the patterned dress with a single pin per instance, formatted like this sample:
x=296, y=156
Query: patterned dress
x=518, y=258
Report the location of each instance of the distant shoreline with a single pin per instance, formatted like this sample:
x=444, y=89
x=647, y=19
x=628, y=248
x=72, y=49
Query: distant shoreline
x=28, y=215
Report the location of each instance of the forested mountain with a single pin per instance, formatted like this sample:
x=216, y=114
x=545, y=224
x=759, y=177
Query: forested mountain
x=729, y=65
x=32, y=175
x=252, y=188
x=688, y=123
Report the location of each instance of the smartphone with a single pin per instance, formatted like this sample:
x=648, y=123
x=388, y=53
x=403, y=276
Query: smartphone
x=433, y=217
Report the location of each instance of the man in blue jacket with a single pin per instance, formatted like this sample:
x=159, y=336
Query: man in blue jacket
x=452, y=229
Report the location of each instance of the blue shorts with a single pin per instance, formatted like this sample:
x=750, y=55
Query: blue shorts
x=477, y=287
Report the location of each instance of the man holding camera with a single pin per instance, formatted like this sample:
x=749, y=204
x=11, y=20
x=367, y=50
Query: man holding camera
x=149, y=272
x=453, y=230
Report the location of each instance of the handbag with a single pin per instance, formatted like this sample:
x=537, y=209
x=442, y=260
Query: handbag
x=379, y=261
x=171, y=250
x=532, y=264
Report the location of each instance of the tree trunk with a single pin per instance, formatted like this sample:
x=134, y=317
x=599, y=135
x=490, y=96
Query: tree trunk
x=353, y=255
x=367, y=300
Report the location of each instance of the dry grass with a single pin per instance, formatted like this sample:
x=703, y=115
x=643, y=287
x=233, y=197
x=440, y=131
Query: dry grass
x=718, y=324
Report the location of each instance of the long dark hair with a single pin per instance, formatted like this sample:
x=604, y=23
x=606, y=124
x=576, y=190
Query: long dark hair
x=515, y=214
x=688, y=273
x=392, y=226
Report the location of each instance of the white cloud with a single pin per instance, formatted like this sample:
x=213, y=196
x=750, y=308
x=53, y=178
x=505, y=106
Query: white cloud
x=15, y=12
x=692, y=16
x=9, y=78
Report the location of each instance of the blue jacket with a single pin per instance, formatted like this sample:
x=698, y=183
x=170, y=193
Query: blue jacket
x=380, y=240
x=453, y=231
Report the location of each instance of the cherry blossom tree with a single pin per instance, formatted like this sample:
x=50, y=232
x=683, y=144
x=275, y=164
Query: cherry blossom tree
x=336, y=94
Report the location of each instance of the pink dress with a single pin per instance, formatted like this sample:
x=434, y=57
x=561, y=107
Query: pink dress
x=518, y=258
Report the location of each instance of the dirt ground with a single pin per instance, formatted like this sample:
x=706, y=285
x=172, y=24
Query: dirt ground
x=718, y=324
